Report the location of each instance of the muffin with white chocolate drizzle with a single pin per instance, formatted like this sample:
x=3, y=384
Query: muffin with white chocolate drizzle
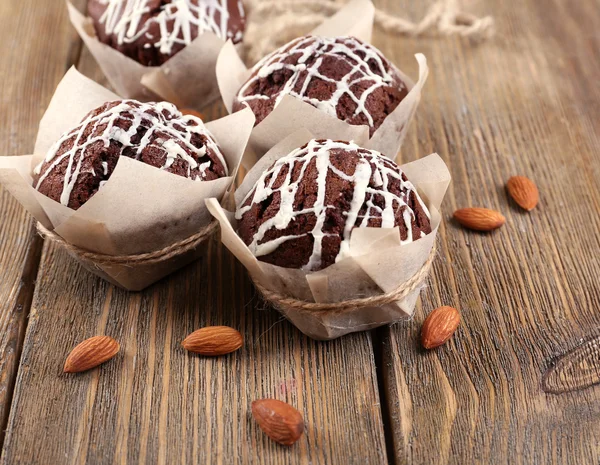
x=302, y=210
x=157, y=134
x=343, y=76
x=152, y=31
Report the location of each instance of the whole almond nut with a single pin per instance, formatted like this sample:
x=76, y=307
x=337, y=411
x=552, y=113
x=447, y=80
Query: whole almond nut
x=278, y=420
x=213, y=341
x=439, y=326
x=91, y=353
x=190, y=111
x=523, y=191
x=479, y=219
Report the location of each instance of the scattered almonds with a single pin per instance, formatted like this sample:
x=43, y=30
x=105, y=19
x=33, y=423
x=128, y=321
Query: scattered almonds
x=280, y=421
x=213, y=340
x=91, y=353
x=439, y=326
x=479, y=219
x=523, y=191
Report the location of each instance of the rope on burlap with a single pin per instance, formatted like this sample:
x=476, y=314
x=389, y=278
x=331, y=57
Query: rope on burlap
x=150, y=258
x=275, y=22
x=287, y=303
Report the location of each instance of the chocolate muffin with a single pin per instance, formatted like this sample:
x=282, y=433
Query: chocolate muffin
x=152, y=31
x=343, y=77
x=83, y=159
x=301, y=212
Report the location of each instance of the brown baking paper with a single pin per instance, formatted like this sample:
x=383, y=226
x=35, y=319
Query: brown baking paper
x=355, y=19
x=186, y=80
x=378, y=262
x=141, y=208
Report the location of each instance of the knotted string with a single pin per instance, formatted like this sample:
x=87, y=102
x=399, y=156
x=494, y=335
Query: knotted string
x=272, y=23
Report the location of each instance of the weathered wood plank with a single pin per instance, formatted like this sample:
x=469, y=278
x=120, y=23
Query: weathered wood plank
x=154, y=403
x=525, y=103
x=27, y=80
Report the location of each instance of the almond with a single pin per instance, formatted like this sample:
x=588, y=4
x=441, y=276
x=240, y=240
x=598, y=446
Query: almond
x=523, y=191
x=479, y=219
x=91, y=353
x=439, y=326
x=213, y=340
x=280, y=421
x=189, y=111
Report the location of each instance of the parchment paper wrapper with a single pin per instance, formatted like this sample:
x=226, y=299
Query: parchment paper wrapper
x=187, y=79
x=355, y=19
x=141, y=208
x=378, y=263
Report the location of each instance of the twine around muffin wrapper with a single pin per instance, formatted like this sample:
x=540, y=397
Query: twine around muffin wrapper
x=187, y=79
x=354, y=19
x=136, y=272
x=141, y=209
x=378, y=263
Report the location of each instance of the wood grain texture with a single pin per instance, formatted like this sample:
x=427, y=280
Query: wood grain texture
x=517, y=384
x=27, y=81
x=578, y=369
x=156, y=403
x=525, y=103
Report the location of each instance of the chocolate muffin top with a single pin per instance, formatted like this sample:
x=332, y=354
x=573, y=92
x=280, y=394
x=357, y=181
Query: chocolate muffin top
x=83, y=159
x=152, y=31
x=301, y=212
x=343, y=77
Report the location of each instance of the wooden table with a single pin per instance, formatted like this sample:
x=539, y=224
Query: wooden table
x=517, y=384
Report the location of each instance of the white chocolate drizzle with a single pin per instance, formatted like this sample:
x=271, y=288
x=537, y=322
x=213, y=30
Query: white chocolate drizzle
x=310, y=47
x=186, y=18
x=159, y=119
x=370, y=179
